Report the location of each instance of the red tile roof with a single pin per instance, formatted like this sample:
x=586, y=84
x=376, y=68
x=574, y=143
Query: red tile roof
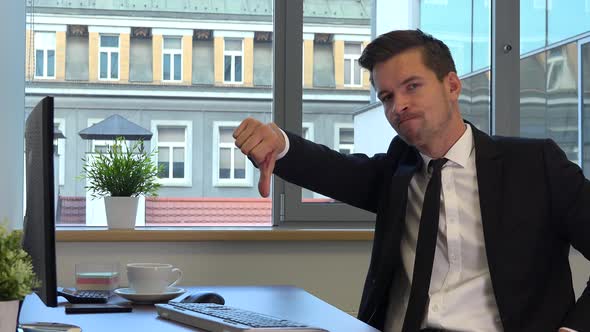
x=180, y=211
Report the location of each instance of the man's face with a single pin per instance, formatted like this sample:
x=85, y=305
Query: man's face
x=418, y=106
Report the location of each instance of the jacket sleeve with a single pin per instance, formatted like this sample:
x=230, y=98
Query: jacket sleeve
x=570, y=199
x=354, y=179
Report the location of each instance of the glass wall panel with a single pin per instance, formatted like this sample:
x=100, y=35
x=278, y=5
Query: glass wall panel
x=482, y=25
x=567, y=19
x=455, y=32
x=533, y=23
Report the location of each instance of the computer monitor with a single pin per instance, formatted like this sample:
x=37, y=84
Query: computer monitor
x=39, y=221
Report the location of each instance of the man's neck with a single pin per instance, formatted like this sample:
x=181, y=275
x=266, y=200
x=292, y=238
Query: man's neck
x=439, y=148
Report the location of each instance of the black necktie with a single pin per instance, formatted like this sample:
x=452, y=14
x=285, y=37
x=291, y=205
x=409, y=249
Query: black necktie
x=425, y=249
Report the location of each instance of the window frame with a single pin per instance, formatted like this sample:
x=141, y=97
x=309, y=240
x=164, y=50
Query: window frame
x=187, y=181
x=233, y=55
x=248, y=180
x=353, y=58
x=172, y=52
x=109, y=50
x=44, y=47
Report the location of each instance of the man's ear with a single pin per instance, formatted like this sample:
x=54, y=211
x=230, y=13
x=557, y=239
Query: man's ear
x=453, y=85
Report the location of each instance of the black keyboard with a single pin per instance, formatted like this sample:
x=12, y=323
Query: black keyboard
x=215, y=317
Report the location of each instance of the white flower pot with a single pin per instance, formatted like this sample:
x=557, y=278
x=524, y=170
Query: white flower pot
x=8, y=315
x=121, y=211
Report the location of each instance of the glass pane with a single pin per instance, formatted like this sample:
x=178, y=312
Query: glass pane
x=346, y=136
x=347, y=71
x=233, y=45
x=177, y=67
x=224, y=163
x=104, y=64
x=357, y=72
x=532, y=25
x=586, y=106
x=167, y=65
x=50, y=63
x=114, y=65
x=240, y=165
x=178, y=158
x=567, y=19
x=170, y=134
x=562, y=93
x=109, y=41
x=183, y=117
x=164, y=161
x=352, y=49
x=225, y=135
x=456, y=33
x=482, y=25
x=227, y=68
x=172, y=43
x=533, y=98
x=39, y=63
x=238, y=75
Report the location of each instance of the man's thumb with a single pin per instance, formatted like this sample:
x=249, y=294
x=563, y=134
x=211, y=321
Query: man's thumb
x=266, y=169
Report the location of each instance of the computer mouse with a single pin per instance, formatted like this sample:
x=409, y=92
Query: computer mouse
x=204, y=297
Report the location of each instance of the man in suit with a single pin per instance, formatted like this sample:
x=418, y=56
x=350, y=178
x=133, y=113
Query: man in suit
x=505, y=210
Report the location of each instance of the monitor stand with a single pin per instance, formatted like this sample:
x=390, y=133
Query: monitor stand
x=46, y=327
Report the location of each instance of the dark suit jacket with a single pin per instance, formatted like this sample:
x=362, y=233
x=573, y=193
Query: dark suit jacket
x=534, y=204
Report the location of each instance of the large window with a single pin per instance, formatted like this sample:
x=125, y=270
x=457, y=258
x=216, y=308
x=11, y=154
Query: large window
x=173, y=145
x=231, y=167
x=44, y=54
x=108, y=60
x=172, y=59
x=233, y=59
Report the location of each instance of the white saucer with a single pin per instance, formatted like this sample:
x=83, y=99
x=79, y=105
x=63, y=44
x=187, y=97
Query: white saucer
x=131, y=295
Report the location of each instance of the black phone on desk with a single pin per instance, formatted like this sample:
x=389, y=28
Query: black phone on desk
x=97, y=308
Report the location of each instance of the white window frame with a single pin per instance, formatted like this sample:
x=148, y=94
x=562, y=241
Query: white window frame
x=337, y=144
x=109, y=51
x=233, y=55
x=44, y=43
x=217, y=145
x=187, y=181
x=172, y=52
x=353, y=58
x=61, y=149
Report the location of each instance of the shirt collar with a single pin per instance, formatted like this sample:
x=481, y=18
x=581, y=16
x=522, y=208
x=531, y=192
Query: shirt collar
x=460, y=152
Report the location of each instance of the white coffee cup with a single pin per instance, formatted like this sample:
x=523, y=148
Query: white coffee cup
x=152, y=278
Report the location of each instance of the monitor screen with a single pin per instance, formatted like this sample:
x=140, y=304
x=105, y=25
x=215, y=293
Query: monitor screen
x=39, y=221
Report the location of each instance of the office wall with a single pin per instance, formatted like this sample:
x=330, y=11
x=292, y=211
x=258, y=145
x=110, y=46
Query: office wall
x=332, y=271
x=12, y=94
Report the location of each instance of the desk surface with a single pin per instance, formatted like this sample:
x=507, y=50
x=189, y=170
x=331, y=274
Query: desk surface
x=282, y=301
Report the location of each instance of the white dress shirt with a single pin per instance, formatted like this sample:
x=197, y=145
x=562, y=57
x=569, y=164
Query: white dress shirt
x=461, y=294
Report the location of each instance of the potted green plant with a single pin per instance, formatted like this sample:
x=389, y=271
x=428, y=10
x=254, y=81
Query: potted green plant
x=17, y=278
x=121, y=175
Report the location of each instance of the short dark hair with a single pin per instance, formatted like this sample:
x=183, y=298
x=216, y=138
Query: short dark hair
x=435, y=54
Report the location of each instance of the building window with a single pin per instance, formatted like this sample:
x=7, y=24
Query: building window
x=108, y=60
x=344, y=138
x=352, y=70
x=230, y=165
x=44, y=54
x=172, y=59
x=172, y=140
x=233, y=55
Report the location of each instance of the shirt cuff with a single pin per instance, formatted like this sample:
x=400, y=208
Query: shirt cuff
x=568, y=329
x=286, y=149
